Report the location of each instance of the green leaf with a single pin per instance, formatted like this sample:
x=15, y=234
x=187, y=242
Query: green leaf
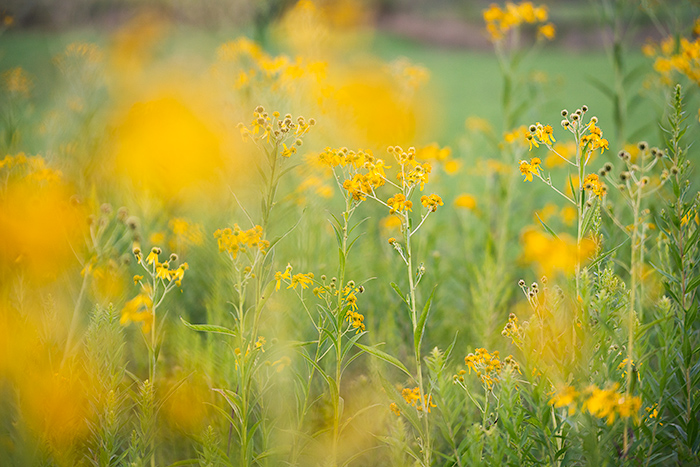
x=693, y=284
x=602, y=87
x=587, y=220
x=386, y=357
x=600, y=258
x=420, y=327
x=546, y=227
x=213, y=328
x=398, y=291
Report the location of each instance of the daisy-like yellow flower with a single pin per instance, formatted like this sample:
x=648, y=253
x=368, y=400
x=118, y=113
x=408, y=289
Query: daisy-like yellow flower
x=301, y=279
x=163, y=271
x=152, y=257
x=544, y=133
x=286, y=275
x=526, y=170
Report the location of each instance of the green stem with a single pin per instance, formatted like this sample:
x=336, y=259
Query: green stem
x=414, y=321
x=339, y=326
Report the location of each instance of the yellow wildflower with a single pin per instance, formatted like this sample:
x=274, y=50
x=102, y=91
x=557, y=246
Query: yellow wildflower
x=138, y=310
x=546, y=31
x=395, y=409
x=286, y=275
x=565, y=397
x=465, y=201
x=301, y=279
x=398, y=203
x=431, y=202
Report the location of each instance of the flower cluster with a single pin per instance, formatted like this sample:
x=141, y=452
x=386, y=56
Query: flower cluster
x=348, y=295
x=500, y=21
x=602, y=403
x=682, y=56
x=413, y=398
x=356, y=320
x=487, y=366
x=161, y=270
x=245, y=62
x=412, y=173
x=30, y=168
x=513, y=331
x=399, y=203
x=276, y=130
x=237, y=240
x=358, y=183
x=540, y=134
x=593, y=140
x=431, y=202
x=593, y=185
x=528, y=169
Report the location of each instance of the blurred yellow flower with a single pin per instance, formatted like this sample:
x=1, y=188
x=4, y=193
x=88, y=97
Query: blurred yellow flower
x=465, y=201
x=138, y=310
x=555, y=255
x=166, y=149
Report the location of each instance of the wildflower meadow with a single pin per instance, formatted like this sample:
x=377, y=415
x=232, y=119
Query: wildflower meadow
x=281, y=233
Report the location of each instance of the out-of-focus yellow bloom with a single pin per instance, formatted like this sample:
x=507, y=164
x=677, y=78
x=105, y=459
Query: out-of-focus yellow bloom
x=139, y=310
x=568, y=215
x=186, y=407
x=519, y=135
x=500, y=21
x=17, y=81
x=565, y=397
x=555, y=255
x=465, y=201
x=167, y=149
x=563, y=151
x=478, y=124
x=546, y=31
x=433, y=152
x=408, y=75
x=676, y=56
x=390, y=223
x=609, y=403
x=38, y=223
